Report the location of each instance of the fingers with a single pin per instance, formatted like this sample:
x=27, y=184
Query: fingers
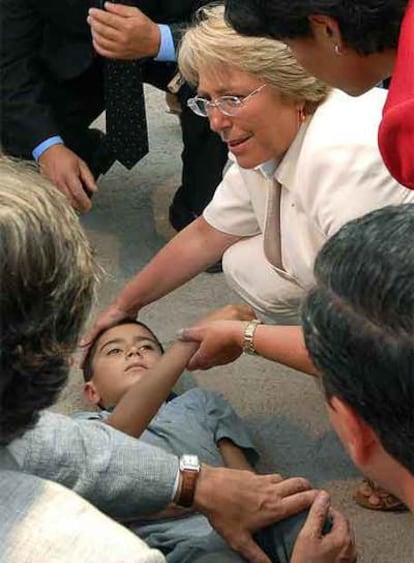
x=190, y=335
x=87, y=177
x=103, y=30
x=297, y=502
x=112, y=16
x=83, y=350
x=122, y=9
x=250, y=550
x=292, y=486
x=81, y=200
x=275, y=478
x=317, y=515
x=343, y=537
x=198, y=361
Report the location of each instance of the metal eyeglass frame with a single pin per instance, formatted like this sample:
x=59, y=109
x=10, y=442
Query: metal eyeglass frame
x=206, y=105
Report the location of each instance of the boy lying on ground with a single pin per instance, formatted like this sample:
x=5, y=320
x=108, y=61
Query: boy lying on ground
x=130, y=380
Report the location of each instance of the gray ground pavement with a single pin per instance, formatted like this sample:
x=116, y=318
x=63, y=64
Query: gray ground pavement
x=283, y=408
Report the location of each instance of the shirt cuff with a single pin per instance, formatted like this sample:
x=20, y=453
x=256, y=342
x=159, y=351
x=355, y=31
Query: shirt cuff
x=166, y=52
x=40, y=149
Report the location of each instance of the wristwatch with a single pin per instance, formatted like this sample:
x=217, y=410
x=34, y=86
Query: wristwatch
x=250, y=329
x=189, y=471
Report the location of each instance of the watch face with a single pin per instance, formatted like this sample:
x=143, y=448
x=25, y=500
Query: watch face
x=189, y=462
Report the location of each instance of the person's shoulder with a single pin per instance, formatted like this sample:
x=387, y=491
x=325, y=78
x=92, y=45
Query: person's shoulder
x=341, y=112
x=341, y=128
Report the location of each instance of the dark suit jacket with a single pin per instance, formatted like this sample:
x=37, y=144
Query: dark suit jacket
x=41, y=38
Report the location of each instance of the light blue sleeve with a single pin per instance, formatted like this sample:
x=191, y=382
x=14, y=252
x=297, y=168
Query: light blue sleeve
x=224, y=422
x=40, y=149
x=167, y=49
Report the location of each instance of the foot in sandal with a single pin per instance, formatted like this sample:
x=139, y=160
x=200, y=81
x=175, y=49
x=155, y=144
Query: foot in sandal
x=370, y=495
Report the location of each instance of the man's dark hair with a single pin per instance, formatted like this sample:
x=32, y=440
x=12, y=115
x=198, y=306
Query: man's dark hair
x=359, y=324
x=87, y=364
x=367, y=26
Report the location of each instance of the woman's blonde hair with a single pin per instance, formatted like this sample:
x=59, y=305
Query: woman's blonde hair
x=47, y=280
x=211, y=41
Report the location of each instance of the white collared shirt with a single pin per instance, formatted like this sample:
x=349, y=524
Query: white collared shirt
x=331, y=173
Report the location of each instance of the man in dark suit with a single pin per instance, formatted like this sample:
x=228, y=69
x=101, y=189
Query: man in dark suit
x=52, y=89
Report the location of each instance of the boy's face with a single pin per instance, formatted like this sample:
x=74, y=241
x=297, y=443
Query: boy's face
x=123, y=355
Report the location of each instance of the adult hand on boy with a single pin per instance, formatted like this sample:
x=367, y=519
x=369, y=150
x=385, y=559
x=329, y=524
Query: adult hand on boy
x=217, y=347
x=238, y=503
x=220, y=343
x=313, y=546
x=108, y=318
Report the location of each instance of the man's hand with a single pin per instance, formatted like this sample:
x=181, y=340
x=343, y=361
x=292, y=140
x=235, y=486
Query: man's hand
x=123, y=32
x=70, y=174
x=338, y=545
x=220, y=342
x=238, y=503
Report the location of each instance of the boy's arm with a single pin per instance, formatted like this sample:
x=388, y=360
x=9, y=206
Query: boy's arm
x=138, y=407
x=233, y=456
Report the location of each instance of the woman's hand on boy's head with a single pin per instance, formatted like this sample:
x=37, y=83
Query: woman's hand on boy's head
x=106, y=319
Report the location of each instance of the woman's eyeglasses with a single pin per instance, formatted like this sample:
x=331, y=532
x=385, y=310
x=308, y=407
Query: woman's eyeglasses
x=228, y=105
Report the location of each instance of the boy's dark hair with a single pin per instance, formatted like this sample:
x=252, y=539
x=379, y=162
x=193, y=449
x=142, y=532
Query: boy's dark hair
x=87, y=364
x=367, y=26
x=359, y=324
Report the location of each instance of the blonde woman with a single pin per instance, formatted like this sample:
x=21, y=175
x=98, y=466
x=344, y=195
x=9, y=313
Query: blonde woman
x=305, y=161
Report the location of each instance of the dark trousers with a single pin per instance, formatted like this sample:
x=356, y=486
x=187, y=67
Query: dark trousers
x=76, y=103
x=277, y=541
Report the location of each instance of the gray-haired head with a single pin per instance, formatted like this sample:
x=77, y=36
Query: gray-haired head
x=47, y=278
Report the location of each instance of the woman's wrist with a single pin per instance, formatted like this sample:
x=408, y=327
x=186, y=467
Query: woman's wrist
x=124, y=303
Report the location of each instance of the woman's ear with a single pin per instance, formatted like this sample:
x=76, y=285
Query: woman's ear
x=91, y=394
x=325, y=28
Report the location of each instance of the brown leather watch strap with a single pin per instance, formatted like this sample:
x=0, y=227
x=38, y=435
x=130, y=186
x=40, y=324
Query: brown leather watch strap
x=189, y=471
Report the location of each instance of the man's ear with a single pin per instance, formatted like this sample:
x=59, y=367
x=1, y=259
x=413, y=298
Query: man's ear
x=91, y=394
x=326, y=29
x=356, y=435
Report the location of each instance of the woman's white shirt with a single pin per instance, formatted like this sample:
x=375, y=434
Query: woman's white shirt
x=331, y=173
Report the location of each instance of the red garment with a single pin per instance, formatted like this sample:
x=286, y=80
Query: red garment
x=396, y=132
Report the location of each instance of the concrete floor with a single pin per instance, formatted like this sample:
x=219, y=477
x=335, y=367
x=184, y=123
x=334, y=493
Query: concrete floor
x=283, y=408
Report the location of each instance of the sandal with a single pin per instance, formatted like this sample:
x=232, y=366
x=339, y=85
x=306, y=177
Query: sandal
x=370, y=495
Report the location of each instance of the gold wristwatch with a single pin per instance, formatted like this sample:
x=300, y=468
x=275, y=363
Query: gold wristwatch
x=249, y=330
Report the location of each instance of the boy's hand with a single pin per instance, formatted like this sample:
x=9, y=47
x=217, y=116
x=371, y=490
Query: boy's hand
x=312, y=546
